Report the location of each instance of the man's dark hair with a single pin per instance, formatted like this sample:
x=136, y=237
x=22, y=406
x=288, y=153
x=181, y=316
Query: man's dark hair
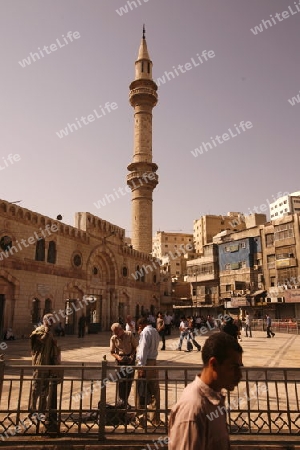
x=142, y=321
x=219, y=345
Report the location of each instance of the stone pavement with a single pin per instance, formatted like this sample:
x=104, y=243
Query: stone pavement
x=281, y=351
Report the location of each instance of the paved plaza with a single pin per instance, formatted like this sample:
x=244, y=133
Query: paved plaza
x=281, y=351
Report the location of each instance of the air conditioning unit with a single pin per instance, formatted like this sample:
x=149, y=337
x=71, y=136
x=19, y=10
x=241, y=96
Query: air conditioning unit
x=243, y=292
x=280, y=299
x=255, y=267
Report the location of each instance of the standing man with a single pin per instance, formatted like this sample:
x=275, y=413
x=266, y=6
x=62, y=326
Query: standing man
x=198, y=419
x=160, y=326
x=269, y=323
x=81, y=325
x=168, y=323
x=239, y=324
x=44, y=352
x=248, y=324
x=146, y=356
x=123, y=349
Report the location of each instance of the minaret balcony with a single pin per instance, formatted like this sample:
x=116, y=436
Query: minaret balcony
x=143, y=92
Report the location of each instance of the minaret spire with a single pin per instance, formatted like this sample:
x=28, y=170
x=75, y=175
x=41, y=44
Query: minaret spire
x=144, y=32
x=143, y=178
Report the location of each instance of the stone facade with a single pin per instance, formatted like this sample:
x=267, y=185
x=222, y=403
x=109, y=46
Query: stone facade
x=46, y=265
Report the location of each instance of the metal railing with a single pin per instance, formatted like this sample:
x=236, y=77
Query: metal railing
x=280, y=325
x=82, y=402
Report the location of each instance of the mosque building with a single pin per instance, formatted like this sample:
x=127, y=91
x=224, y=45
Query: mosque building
x=48, y=266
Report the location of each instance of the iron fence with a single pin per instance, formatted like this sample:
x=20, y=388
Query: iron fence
x=82, y=401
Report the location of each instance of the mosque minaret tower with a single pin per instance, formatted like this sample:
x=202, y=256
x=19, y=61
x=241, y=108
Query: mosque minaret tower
x=142, y=178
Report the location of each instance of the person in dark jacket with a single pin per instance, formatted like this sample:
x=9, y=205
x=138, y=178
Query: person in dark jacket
x=231, y=328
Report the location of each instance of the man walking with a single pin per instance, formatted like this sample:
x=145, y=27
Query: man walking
x=248, y=325
x=198, y=419
x=160, y=326
x=146, y=356
x=269, y=323
x=123, y=349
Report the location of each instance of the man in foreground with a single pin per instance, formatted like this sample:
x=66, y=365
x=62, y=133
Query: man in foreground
x=198, y=420
x=44, y=351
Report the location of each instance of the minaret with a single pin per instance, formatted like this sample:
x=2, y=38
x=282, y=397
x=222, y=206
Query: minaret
x=142, y=178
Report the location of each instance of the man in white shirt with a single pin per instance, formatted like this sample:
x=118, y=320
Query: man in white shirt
x=146, y=356
x=130, y=325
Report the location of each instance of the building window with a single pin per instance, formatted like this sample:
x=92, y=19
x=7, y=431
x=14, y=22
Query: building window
x=51, y=257
x=5, y=243
x=227, y=266
x=243, y=245
x=95, y=270
x=77, y=260
x=125, y=271
x=48, y=306
x=40, y=250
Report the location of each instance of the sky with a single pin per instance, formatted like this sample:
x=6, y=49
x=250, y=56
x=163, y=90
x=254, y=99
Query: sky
x=87, y=54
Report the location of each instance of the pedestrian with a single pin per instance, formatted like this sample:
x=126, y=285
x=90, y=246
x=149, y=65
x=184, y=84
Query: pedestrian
x=130, y=325
x=183, y=328
x=81, y=326
x=230, y=327
x=160, y=326
x=123, y=348
x=146, y=356
x=198, y=419
x=248, y=324
x=239, y=325
x=270, y=333
x=44, y=351
x=168, y=319
x=191, y=335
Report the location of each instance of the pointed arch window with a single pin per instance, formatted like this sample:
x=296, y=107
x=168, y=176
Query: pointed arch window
x=142, y=64
x=51, y=257
x=48, y=306
x=40, y=250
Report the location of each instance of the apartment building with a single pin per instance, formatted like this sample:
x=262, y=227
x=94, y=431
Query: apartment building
x=173, y=249
x=240, y=266
x=205, y=228
x=203, y=276
x=287, y=204
x=281, y=250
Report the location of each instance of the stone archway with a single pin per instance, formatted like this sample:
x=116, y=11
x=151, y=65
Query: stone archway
x=73, y=307
x=102, y=272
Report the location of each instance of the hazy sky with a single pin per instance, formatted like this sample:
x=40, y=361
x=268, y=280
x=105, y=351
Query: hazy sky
x=250, y=79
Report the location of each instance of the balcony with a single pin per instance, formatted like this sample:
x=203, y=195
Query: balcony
x=286, y=262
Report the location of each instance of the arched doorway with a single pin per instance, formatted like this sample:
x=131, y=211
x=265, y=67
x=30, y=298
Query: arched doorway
x=36, y=313
x=74, y=307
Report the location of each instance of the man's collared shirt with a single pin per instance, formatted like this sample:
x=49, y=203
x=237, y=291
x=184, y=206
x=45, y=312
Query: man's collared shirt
x=148, y=345
x=198, y=420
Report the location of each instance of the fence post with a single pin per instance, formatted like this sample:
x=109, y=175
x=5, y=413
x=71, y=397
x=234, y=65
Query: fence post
x=2, y=365
x=102, y=402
